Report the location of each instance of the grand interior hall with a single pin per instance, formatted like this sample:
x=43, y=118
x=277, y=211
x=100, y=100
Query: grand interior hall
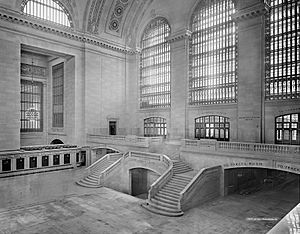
x=149, y=116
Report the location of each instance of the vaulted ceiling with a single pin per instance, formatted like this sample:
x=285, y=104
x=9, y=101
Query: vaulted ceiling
x=120, y=21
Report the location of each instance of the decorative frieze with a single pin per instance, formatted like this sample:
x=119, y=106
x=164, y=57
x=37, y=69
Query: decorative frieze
x=31, y=70
x=65, y=32
x=251, y=12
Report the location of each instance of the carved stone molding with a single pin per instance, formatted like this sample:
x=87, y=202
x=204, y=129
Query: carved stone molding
x=180, y=35
x=32, y=70
x=94, y=16
x=251, y=12
x=63, y=32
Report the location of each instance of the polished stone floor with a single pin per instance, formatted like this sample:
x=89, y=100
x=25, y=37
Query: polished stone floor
x=107, y=211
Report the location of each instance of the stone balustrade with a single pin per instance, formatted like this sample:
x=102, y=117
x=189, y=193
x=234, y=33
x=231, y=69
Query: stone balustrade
x=36, y=159
x=258, y=148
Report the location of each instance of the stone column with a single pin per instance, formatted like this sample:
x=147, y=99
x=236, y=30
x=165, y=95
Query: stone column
x=50, y=160
x=73, y=158
x=0, y=165
x=179, y=79
x=13, y=164
x=61, y=159
x=250, y=20
x=26, y=162
x=39, y=161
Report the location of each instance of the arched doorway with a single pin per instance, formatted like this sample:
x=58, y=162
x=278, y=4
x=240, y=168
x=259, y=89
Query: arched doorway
x=141, y=180
x=56, y=142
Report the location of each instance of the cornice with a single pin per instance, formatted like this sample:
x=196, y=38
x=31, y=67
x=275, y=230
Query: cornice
x=179, y=35
x=19, y=19
x=253, y=11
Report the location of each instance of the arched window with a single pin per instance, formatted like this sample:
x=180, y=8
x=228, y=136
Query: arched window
x=50, y=10
x=287, y=129
x=155, y=126
x=282, y=50
x=213, y=52
x=155, y=65
x=212, y=127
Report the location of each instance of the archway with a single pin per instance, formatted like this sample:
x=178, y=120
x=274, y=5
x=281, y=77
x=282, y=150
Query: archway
x=56, y=142
x=141, y=180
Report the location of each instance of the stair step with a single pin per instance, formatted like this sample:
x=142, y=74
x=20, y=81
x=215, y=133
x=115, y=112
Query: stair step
x=87, y=185
x=177, y=190
x=88, y=182
x=163, y=208
x=164, y=204
x=177, y=183
x=169, y=194
x=91, y=180
x=167, y=197
x=183, y=177
x=161, y=212
x=166, y=200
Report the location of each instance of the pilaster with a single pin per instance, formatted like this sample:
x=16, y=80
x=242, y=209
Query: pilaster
x=250, y=20
x=179, y=74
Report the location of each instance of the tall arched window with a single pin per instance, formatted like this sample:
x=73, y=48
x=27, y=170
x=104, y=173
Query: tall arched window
x=155, y=65
x=50, y=10
x=155, y=126
x=282, y=50
x=287, y=129
x=213, y=52
x=212, y=127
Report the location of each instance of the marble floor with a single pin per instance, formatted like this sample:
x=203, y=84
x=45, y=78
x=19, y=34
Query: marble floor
x=107, y=211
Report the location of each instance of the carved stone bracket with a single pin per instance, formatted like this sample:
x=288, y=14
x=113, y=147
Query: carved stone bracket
x=251, y=12
x=179, y=35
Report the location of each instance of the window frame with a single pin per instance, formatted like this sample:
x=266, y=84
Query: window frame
x=155, y=66
x=220, y=86
x=158, y=129
x=68, y=23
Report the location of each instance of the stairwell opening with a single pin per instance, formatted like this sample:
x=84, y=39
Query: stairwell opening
x=140, y=181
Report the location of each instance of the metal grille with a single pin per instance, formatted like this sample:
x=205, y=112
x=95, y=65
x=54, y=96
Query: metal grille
x=155, y=126
x=288, y=129
x=31, y=97
x=155, y=65
x=283, y=50
x=48, y=10
x=58, y=95
x=212, y=127
x=213, y=54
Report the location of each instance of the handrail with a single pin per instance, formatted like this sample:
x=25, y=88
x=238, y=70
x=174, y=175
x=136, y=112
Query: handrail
x=192, y=183
x=162, y=180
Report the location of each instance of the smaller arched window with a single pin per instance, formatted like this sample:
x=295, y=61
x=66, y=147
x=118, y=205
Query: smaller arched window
x=155, y=126
x=50, y=10
x=212, y=127
x=287, y=129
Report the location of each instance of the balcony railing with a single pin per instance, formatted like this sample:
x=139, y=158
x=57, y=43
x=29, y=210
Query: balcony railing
x=245, y=147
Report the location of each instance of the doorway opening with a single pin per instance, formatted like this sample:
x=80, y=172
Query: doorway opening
x=112, y=127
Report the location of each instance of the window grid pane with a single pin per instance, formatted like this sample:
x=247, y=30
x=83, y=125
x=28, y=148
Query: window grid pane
x=213, y=53
x=287, y=129
x=282, y=50
x=58, y=95
x=212, y=127
x=31, y=97
x=155, y=126
x=155, y=66
x=48, y=10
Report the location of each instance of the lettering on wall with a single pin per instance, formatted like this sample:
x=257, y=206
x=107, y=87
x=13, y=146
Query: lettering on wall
x=294, y=168
x=247, y=164
x=249, y=118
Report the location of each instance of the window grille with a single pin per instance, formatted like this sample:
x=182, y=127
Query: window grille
x=58, y=95
x=155, y=126
x=155, y=65
x=287, y=128
x=49, y=10
x=31, y=97
x=282, y=50
x=212, y=127
x=213, y=54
